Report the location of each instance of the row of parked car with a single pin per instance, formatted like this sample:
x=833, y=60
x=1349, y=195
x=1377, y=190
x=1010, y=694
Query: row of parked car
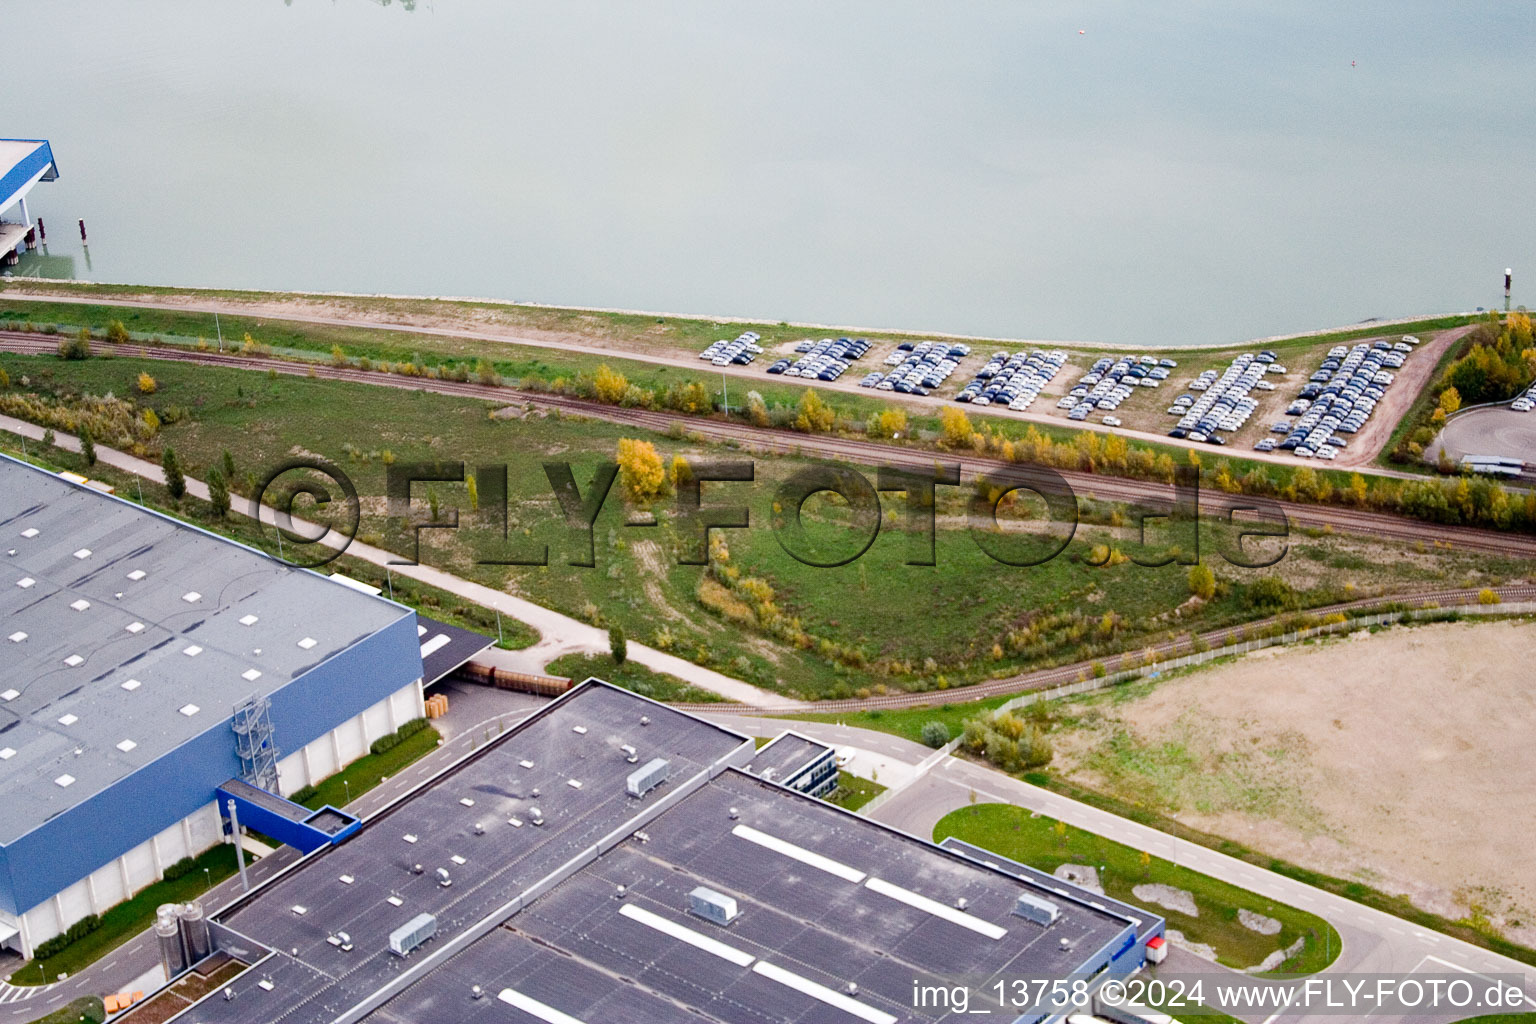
x=740, y=351
x=1526, y=402
x=1109, y=382
x=1338, y=399
x=1013, y=379
x=1224, y=402
x=919, y=367
x=827, y=359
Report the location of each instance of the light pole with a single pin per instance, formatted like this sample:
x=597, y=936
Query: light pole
x=347, y=785
x=208, y=878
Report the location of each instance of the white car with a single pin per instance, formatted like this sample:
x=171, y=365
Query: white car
x=1111, y=421
x=1522, y=405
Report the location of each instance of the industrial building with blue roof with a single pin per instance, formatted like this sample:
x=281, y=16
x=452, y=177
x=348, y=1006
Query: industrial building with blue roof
x=145, y=664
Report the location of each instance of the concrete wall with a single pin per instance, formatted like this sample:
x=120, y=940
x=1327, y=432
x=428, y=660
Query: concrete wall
x=86, y=859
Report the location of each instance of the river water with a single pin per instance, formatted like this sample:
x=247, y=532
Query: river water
x=1183, y=171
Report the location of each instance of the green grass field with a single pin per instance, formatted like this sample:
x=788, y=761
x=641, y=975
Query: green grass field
x=86, y=1008
x=931, y=628
x=1047, y=844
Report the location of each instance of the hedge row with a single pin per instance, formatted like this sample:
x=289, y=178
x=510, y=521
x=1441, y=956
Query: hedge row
x=394, y=739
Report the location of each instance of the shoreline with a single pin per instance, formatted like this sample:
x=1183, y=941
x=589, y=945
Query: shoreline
x=890, y=332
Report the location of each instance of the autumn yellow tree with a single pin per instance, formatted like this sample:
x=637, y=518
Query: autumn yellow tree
x=1450, y=400
x=1202, y=582
x=887, y=423
x=146, y=383
x=680, y=472
x=955, y=427
x=814, y=416
x=609, y=385
x=641, y=473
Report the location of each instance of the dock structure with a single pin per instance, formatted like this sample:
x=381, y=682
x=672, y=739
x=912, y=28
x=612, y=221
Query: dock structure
x=23, y=163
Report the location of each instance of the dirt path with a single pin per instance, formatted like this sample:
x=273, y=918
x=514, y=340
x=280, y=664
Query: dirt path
x=1413, y=378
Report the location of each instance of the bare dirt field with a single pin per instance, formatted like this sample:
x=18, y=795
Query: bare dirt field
x=1403, y=759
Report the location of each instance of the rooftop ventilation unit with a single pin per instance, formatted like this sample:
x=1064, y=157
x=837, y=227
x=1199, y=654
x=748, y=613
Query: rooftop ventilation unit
x=412, y=934
x=1032, y=908
x=712, y=906
x=647, y=777
x=535, y=815
x=630, y=754
x=443, y=878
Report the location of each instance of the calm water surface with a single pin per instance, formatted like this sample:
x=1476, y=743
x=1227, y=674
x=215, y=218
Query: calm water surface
x=1158, y=173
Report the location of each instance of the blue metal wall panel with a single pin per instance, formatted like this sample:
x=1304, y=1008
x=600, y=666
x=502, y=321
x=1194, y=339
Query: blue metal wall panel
x=157, y=796
x=23, y=172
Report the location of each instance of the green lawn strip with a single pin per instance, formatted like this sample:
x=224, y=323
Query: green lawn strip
x=1398, y=906
x=689, y=333
x=369, y=770
x=1501, y=1018
x=908, y=722
x=125, y=920
x=632, y=676
x=1046, y=844
x=86, y=1008
x=853, y=792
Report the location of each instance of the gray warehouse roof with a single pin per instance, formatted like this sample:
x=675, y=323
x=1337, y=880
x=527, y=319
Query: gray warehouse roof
x=785, y=756
x=124, y=633
x=585, y=917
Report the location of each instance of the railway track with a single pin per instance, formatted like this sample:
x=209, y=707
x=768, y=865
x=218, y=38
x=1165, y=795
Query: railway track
x=869, y=453
x=1045, y=679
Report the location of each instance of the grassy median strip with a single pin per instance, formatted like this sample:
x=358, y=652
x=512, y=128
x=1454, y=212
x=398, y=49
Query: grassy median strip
x=86, y=1008
x=1047, y=844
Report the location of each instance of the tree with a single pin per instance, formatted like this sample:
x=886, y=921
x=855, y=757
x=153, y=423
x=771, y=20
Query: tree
x=338, y=356
x=609, y=385
x=485, y=373
x=87, y=447
x=1202, y=582
x=1270, y=592
x=955, y=430
x=618, y=646
x=147, y=384
x=473, y=486
x=887, y=423
x=218, y=494
x=5, y=378
x=175, y=483
x=935, y=733
x=681, y=471
x=228, y=462
x=757, y=409
x=1487, y=596
x=814, y=416
x=117, y=332
x=641, y=472
x=1450, y=400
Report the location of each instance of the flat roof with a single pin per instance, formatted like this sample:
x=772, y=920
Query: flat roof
x=124, y=633
x=444, y=648
x=586, y=916
x=22, y=162
x=785, y=756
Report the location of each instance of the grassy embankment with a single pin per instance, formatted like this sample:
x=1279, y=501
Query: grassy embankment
x=966, y=619
x=1045, y=844
x=536, y=367
x=630, y=675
